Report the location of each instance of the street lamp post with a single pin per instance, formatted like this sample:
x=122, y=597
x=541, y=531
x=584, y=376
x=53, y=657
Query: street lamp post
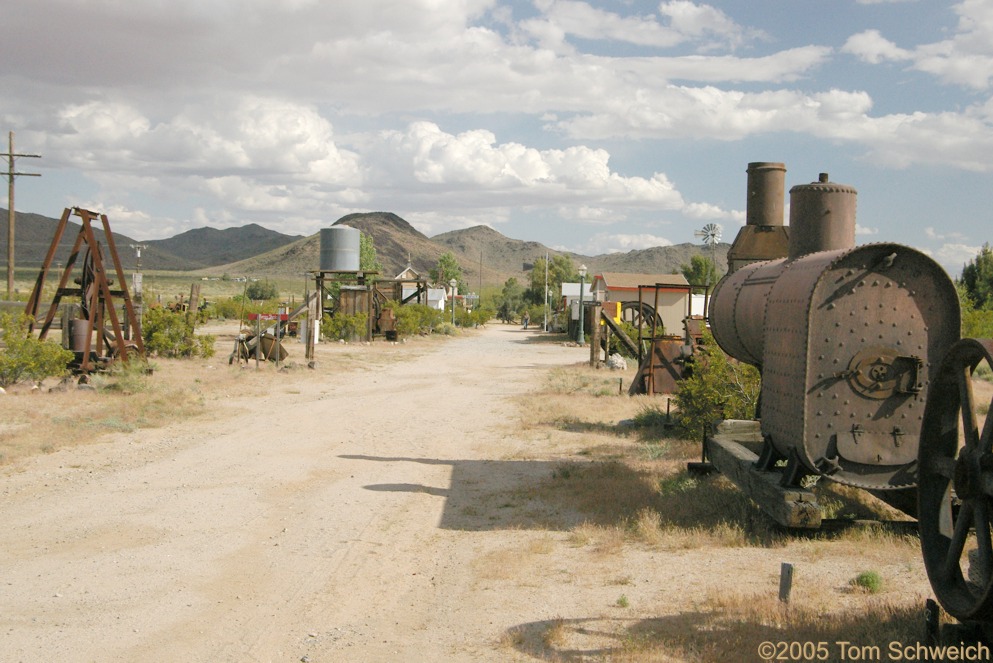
x=544, y=324
x=454, y=285
x=582, y=280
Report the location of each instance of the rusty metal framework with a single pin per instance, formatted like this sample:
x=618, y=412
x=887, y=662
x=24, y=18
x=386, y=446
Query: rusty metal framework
x=115, y=339
x=661, y=356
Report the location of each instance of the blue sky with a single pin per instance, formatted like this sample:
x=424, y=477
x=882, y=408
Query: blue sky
x=589, y=126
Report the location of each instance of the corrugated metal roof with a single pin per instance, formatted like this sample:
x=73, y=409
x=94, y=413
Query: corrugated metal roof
x=622, y=280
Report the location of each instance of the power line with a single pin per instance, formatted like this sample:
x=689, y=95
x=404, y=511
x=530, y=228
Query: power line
x=11, y=174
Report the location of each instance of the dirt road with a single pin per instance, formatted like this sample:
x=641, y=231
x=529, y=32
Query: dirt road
x=339, y=517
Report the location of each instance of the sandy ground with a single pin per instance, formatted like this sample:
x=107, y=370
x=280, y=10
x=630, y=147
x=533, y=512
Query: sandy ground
x=372, y=515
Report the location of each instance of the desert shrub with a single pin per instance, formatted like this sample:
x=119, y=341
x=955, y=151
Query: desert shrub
x=261, y=290
x=718, y=388
x=417, y=319
x=868, y=581
x=976, y=323
x=475, y=318
x=130, y=377
x=481, y=315
x=652, y=415
x=25, y=357
x=345, y=327
x=446, y=329
x=168, y=334
x=226, y=308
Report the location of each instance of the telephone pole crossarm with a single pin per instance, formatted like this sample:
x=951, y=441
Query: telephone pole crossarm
x=11, y=214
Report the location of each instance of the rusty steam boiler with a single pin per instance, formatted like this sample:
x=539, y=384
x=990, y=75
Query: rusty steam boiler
x=864, y=380
x=846, y=338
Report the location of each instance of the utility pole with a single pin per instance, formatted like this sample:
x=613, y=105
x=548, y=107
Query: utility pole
x=137, y=249
x=137, y=279
x=11, y=174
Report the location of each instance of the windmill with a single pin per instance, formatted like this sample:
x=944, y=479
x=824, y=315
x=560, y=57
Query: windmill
x=711, y=235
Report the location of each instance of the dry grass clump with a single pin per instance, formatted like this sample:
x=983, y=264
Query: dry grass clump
x=581, y=398
x=733, y=627
x=726, y=628
x=629, y=500
x=631, y=483
x=41, y=421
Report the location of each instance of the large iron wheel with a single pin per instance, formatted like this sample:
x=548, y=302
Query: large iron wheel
x=956, y=487
x=640, y=316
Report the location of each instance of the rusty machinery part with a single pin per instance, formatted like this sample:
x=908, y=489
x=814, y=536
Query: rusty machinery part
x=822, y=217
x=738, y=309
x=764, y=236
x=955, y=493
x=640, y=316
x=845, y=340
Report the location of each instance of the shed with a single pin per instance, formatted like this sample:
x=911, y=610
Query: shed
x=570, y=293
x=437, y=298
x=412, y=287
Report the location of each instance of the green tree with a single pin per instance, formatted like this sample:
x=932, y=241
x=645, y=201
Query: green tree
x=976, y=323
x=560, y=270
x=259, y=290
x=448, y=268
x=26, y=357
x=510, y=300
x=368, y=260
x=701, y=271
x=977, y=278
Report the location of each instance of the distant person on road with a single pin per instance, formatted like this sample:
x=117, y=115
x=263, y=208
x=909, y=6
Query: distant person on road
x=527, y=319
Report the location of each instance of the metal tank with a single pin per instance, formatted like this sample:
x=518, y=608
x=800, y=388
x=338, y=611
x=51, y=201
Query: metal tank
x=340, y=249
x=846, y=339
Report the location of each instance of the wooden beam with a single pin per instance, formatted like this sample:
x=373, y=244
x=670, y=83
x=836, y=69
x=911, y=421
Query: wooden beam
x=790, y=506
x=620, y=333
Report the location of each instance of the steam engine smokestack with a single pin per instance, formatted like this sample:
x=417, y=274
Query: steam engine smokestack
x=766, y=187
x=764, y=237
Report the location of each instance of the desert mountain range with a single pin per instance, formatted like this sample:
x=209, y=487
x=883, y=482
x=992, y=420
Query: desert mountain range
x=259, y=252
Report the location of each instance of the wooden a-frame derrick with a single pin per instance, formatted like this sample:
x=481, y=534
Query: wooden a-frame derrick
x=94, y=291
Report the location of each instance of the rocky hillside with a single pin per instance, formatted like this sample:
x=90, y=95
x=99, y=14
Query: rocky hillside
x=252, y=250
x=192, y=250
x=208, y=247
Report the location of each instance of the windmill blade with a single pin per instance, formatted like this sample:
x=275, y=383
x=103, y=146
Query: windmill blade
x=711, y=234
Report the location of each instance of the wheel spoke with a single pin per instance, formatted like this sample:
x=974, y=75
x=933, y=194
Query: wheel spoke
x=943, y=466
x=957, y=545
x=986, y=439
x=966, y=403
x=956, y=485
x=982, y=525
x=946, y=524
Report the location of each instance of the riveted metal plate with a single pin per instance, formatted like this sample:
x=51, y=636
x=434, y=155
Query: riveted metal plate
x=738, y=310
x=830, y=312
